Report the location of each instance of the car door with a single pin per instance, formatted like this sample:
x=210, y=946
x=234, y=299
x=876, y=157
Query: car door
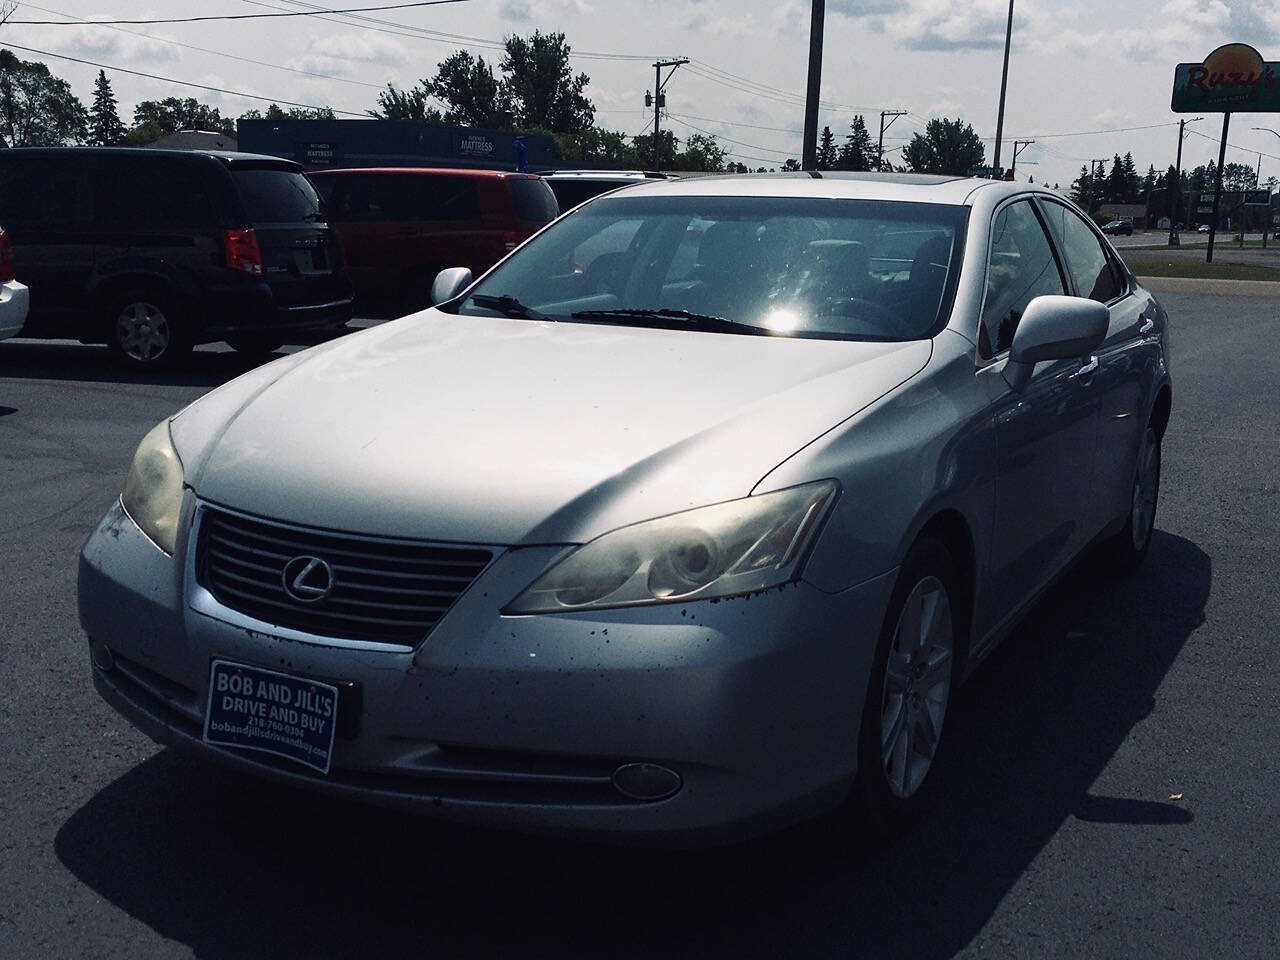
x=1126, y=359
x=1045, y=433
x=44, y=202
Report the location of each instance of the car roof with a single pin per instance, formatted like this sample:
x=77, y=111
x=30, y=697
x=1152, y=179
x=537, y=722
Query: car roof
x=609, y=176
x=227, y=156
x=909, y=187
x=430, y=172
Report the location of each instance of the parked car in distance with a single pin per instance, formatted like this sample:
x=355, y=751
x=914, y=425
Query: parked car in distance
x=573, y=187
x=14, y=297
x=1123, y=228
x=154, y=251
x=400, y=226
x=689, y=556
x=1203, y=228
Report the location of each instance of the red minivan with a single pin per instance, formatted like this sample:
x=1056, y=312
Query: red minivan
x=400, y=226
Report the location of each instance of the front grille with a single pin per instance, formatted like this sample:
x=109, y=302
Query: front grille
x=389, y=591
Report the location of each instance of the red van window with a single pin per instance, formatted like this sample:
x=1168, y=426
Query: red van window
x=534, y=200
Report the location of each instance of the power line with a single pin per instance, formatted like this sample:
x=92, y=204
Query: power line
x=239, y=16
x=216, y=53
x=1248, y=150
x=409, y=30
x=741, y=143
x=184, y=83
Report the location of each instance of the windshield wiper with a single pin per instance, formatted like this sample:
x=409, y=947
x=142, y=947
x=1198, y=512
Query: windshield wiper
x=508, y=305
x=668, y=318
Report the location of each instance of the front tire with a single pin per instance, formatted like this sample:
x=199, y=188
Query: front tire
x=254, y=344
x=909, y=692
x=143, y=330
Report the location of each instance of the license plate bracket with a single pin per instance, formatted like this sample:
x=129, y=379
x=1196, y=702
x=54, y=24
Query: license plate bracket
x=287, y=716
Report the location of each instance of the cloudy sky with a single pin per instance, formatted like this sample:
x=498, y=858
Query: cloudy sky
x=1077, y=67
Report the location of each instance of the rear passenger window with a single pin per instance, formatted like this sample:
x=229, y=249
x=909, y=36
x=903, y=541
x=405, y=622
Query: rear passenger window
x=533, y=200
x=1022, y=268
x=153, y=193
x=42, y=193
x=1092, y=270
x=379, y=198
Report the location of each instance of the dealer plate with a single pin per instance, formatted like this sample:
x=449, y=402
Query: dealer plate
x=276, y=713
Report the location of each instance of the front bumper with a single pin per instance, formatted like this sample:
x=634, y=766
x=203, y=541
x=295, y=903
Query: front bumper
x=522, y=721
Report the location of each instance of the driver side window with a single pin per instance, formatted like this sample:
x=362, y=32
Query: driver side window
x=1022, y=267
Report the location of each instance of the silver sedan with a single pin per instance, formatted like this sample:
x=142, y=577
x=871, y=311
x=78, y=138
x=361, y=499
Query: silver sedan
x=683, y=522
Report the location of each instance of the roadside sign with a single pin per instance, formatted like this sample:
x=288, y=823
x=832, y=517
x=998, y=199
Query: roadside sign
x=1257, y=198
x=1232, y=79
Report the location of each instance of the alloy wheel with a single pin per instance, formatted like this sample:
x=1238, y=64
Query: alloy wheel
x=1146, y=489
x=143, y=332
x=917, y=686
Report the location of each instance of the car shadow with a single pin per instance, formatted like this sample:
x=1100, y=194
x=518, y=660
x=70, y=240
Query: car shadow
x=208, y=366
x=237, y=868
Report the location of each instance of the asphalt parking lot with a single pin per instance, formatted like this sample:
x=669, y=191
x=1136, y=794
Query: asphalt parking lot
x=1058, y=835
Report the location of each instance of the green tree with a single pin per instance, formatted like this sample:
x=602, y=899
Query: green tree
x=1082, y=189
x=153, y=119
x=106, y=129
x=702, y=154
x=670, y=145
x=1115, y=186
x=791, y=166
x=276, y=112
x=601, y=149
x=949, y=147
x=394, y=104
x=540, y=88
x=38, y=109
x=1238, y=176
x=828, y=157
x=857, y=152
x=470, y=92
x=1202, y=177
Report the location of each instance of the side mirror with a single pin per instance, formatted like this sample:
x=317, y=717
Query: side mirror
x=449, y=283
x=1054, y=328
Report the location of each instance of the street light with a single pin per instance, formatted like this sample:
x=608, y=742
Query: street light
x=1004, y=83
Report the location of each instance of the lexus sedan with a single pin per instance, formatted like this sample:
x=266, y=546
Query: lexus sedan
x=680, y=524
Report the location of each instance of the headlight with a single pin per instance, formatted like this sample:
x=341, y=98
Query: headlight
x=718, y=551
x=153, y=493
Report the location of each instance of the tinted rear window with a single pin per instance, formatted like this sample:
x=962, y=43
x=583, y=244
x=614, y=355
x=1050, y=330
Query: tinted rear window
x=155, y=192
x=42, y=192
x=376, y=197
x=571, y=192
x=276, y=196
x=534, y=200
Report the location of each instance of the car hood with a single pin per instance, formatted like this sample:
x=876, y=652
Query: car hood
x=502, y=431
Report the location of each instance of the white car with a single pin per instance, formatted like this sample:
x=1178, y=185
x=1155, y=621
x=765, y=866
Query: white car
x=13, y=295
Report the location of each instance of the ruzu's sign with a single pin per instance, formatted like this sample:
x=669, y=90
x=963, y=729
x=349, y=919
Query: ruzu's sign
x=1232, y=79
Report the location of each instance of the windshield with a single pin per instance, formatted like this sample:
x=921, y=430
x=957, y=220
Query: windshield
x=846, y=269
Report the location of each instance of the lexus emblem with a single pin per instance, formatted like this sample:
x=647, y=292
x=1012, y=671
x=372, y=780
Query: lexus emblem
x=307, y=579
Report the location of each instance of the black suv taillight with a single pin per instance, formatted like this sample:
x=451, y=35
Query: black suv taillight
x=242, y=250
x=6, y=258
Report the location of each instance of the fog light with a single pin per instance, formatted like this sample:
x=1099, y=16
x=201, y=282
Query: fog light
x=101, y=653
x=645, y=781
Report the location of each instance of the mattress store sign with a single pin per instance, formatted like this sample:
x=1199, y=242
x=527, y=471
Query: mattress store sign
x=1234, y=78
x=475, y=145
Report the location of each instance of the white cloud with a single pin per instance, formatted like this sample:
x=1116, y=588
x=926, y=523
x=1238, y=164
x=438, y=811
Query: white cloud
x=340, y=54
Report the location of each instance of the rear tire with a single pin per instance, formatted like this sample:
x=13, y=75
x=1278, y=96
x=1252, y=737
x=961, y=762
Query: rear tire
x=254, y=344
x=909, y=691
x=1127, y=549
x=143, y=329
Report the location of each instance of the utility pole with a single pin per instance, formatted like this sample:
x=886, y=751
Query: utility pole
x=1093, y=181
x=1018, y=147
x=893, y=115
x=816, y=20
x=658, y=100
x=1004, y=83
x=1174, y=239
x=1217, y=185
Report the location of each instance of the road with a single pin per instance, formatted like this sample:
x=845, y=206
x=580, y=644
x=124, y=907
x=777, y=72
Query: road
x=1058, y=837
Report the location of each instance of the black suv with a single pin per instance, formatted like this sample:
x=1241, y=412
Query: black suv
x=154, y=251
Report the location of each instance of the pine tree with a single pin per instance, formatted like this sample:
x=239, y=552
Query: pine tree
x=858, y=152
x=827, y=155
x=105, y=126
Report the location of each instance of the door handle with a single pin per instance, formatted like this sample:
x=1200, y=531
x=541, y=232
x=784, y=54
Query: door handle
x=1088, y=370
x=1147, y=326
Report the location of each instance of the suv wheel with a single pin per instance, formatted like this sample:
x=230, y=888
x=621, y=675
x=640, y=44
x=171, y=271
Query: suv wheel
x=255, y=344
x=143, y=331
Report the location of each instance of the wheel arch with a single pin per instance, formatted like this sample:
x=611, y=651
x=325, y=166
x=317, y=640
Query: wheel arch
x=1161, y=410
x=952, y=530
